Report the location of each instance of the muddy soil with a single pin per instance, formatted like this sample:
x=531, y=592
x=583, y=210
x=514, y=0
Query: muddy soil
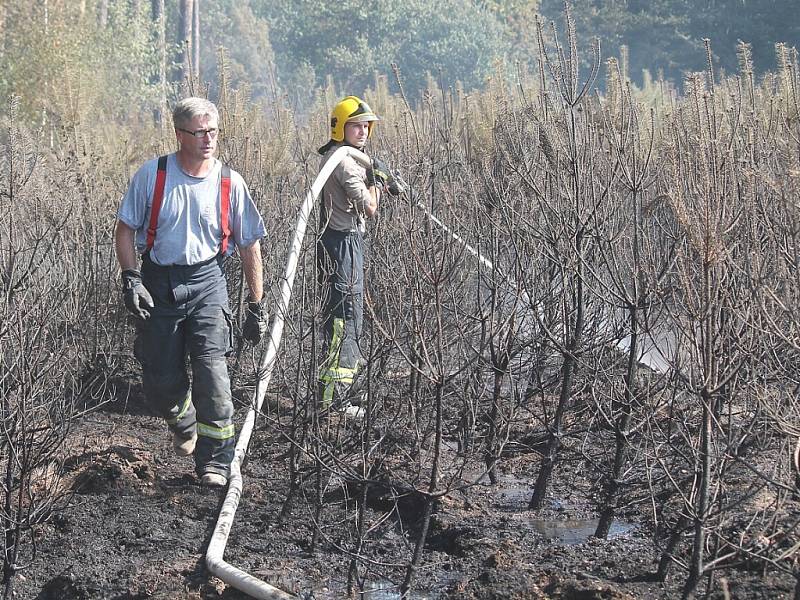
x=138, y=524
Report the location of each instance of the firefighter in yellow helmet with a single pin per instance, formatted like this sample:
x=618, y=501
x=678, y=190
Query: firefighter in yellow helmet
x=348, y=199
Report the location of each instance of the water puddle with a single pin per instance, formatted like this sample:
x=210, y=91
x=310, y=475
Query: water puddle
x=576, y=531
x=378, y=591
x=386, y=591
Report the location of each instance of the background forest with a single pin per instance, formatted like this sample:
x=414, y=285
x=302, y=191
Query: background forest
x=626, y=350
x=112, y=57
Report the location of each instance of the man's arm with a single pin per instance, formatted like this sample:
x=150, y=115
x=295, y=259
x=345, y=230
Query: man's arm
x=370, y=208
x=362, y=195
x=137, y=298
x=253, y=270
x=123, y=242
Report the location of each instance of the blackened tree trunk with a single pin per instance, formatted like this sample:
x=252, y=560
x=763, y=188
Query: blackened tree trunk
x=10, y=539
x=796, y=462
x=492, y=456
x=411, y=569
x=697, y=560
x=621, y=430
x=577, y=203
x=568, y=366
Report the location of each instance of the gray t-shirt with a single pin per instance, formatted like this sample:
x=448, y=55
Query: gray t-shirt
x=189, y=229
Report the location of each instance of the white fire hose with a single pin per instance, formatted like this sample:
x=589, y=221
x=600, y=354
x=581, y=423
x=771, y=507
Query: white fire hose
x=217, y=566
x=216, y=548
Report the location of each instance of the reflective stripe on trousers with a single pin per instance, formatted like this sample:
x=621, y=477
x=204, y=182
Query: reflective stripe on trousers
x=217, y=433
x=332, y=371
x=182, y=409
x=190, y=319
x=344, y=268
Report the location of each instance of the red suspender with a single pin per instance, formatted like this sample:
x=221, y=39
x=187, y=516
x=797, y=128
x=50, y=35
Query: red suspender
x=225, y=207
x=158, y=196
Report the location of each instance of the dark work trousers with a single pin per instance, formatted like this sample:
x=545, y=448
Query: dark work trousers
x=190, y=318
x=342, y=268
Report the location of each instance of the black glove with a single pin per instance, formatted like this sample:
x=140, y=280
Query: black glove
x=382, y=175
x=135, y=294
x=382, y=171
x=374, y=179
x=255, y=323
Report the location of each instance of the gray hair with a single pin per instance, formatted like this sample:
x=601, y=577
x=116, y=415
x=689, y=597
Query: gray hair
x=189, y=108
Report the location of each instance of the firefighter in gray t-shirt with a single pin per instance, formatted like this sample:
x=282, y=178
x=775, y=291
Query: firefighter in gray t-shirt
x=183, y=213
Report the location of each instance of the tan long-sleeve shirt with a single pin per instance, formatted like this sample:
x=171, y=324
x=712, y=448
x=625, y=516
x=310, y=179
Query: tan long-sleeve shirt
x=345, y=194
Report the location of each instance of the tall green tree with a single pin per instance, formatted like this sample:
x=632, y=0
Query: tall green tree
x=350, y=40
x=667, y=35
x=65, y=64
x=761, y=24
x=518, y=17
x=248, y=56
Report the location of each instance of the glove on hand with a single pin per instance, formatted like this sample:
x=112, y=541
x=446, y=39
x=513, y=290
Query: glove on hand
x=373, y=179
x=381, y=173
x=381, y=170
x=255, y=323
x=135, y=294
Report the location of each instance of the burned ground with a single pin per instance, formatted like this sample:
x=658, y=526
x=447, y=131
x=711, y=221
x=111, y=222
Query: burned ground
x=138, y=524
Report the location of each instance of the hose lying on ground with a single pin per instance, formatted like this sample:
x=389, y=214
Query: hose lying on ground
x=216, y=548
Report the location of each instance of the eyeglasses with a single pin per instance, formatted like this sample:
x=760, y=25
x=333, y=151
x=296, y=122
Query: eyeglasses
x=201, y=133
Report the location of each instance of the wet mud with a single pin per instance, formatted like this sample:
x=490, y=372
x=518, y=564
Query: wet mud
x=138, y=524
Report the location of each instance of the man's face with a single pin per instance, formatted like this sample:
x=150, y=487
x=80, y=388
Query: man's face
x=198, y=148
x=356, y=134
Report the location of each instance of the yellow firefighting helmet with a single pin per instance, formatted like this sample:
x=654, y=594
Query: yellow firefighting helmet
x=350, y=110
